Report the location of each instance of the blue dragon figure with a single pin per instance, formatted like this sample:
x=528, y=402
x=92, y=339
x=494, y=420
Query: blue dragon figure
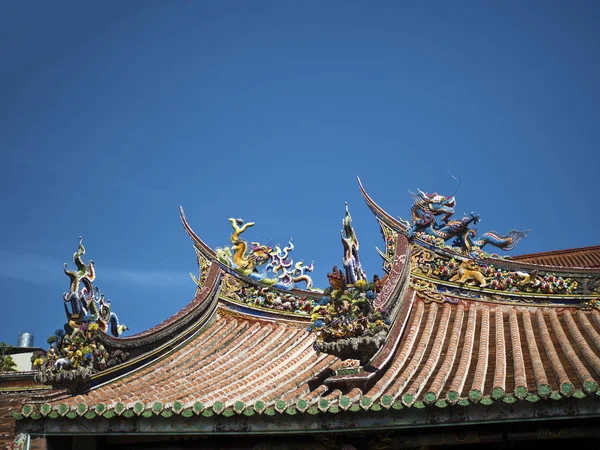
x=87, y=304
x=425, y=211
x=432, y=215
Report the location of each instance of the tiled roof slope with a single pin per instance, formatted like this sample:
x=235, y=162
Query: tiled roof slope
x=473, y=351
x=233, y=360
x=577, y=257
x=450, y=353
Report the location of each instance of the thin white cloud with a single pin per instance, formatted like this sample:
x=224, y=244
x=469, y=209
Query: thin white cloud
x=37, y=269
x=33, y=269
x=152, y=278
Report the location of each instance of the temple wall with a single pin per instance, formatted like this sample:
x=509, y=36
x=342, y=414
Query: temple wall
x=23, y=361
x=9, y=402
x=16, y=388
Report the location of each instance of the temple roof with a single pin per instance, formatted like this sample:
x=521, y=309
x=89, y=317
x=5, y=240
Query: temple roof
x=453, y=352
x=459, y=331
x=231, y=360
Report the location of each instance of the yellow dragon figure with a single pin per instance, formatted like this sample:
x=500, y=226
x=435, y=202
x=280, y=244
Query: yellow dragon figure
x=240, y=247
x=243, y=261
x=239, y=227
x=248, y=258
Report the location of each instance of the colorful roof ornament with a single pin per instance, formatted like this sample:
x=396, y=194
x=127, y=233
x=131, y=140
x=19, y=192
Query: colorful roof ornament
x=432, y=214
x=75, y=349
x=439, y=340
x=346, y=317
x=268, y=265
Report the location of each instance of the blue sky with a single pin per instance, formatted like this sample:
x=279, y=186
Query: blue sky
x=115, y=113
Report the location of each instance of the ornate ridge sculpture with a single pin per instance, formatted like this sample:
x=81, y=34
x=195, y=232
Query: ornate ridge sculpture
x=277, y=268
x=464, y=270
x=203, y=268
x=235, y=289
x=428, y=208
x=345, y=318
x=470, y=272
x=389, y=237
x=87, y=304
x=75, y=351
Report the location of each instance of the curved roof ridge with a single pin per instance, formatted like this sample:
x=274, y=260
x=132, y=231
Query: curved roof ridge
x=178, y=321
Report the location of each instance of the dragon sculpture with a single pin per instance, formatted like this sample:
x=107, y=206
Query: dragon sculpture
x=277, y=268
x=87, y=304
x=347, y=309
x=77, y=346
x=432, y=215
x=85, y=273
x=245, y=262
